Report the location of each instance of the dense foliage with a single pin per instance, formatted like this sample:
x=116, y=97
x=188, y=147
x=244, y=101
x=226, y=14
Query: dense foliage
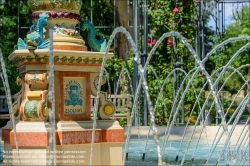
x=239, y=27
x=165, y=16
x=9, y=35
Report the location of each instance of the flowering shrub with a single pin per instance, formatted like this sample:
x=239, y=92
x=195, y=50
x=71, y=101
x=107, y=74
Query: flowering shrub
x=165, y=16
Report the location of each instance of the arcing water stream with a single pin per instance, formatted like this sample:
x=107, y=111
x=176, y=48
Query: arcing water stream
x=212, y=85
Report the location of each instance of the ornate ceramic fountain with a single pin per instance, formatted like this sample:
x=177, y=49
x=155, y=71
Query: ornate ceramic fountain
x=76, y=73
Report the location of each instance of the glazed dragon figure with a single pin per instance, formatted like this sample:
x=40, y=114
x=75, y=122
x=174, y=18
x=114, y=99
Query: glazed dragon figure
x=95, y=44
x=35, y=36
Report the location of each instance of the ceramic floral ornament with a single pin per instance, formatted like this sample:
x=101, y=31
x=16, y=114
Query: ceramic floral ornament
x=65, y=31
x=94, y=43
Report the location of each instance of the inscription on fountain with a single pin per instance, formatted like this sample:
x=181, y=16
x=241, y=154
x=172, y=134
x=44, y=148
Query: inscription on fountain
x=74, y=96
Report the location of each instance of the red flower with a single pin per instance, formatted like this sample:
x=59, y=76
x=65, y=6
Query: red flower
x=153, y=42
x=176, y=10
x=149, y=41
x=202, y=74
x=187, y=109
x=170, y=43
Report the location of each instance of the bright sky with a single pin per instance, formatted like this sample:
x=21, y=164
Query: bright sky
x=229, y=7
x=228, y=15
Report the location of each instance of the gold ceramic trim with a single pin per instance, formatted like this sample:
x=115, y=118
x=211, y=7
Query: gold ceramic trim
x=34, y=96
x=59, y=53
x=108, y=109
x=45, y=111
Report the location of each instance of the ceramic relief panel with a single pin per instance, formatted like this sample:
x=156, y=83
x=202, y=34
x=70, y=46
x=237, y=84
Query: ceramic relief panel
x=74, y=96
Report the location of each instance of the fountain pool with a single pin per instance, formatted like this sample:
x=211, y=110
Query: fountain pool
x=138, y=142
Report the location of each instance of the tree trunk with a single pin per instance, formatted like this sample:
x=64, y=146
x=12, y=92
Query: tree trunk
x=123, y=18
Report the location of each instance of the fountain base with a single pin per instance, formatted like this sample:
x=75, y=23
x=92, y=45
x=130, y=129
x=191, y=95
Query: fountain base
x=73, y=140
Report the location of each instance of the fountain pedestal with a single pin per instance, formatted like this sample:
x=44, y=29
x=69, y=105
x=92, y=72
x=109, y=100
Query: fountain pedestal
x=73, y=143
x=76, y=74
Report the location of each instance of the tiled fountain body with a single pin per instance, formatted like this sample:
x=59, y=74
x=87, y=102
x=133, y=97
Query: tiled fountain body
x=73, y=130
x=75, y=71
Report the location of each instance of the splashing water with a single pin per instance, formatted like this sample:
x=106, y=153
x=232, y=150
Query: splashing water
x=52, y=135
x=177, y=102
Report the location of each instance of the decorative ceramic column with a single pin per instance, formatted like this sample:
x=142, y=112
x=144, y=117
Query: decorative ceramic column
x=76, y=75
